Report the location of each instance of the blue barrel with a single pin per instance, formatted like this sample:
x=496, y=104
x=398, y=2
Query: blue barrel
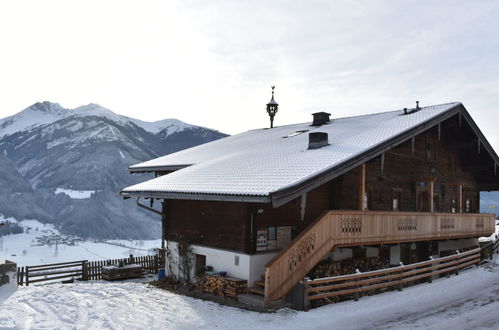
x=161, y=273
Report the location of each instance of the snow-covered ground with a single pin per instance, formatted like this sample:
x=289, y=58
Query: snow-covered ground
x=25, y=251
x=76, y=194
x=467, y=301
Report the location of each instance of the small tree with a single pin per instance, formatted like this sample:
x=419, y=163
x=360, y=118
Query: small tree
x=185, y=255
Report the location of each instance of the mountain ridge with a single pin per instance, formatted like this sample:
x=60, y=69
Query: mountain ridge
x=45, y=148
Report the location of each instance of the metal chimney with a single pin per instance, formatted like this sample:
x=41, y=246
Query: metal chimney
x=317, y=140
x=320, y=118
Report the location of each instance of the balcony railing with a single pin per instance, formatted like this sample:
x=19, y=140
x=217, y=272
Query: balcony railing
x=350, y=228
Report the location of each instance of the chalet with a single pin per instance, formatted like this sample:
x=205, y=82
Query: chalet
x=403, y=184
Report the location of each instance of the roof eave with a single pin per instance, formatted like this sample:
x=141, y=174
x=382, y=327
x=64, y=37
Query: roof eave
x=195, y=196
x=148, y=169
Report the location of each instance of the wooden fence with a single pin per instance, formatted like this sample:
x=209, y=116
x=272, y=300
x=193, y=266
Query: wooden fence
x=149, y=263
x=396, y=277
x=82, y=270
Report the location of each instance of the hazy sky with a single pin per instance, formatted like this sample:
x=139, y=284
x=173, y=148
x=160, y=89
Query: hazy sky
x=212, y=63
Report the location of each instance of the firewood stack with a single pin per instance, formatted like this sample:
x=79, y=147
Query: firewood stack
x=329, y=268
x=227, y=287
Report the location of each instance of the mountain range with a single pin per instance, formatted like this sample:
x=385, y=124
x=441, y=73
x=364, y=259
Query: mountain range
x=65, y=167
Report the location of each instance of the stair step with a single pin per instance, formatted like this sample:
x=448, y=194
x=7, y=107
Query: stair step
x=257, y=290
x=258, y=301
x=259, y=283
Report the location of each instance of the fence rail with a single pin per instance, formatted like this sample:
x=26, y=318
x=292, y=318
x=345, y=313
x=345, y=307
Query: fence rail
x=83, y=270
x=355, y=284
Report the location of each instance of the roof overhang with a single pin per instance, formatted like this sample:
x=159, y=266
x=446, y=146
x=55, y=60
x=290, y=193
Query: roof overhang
x=149, y=169
x=195, y=196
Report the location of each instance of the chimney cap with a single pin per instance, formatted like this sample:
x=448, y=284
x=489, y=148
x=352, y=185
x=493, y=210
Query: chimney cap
x=320, y=118
x=317, y=140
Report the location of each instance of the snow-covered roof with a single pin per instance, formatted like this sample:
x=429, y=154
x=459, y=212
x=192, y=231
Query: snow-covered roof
x=260, y=164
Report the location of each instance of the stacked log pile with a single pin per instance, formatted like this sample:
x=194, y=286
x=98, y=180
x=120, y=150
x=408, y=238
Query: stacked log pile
x=327, y=268
x=224, y=286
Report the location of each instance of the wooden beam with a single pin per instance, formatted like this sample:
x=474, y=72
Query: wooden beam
x=431, y=196
x=413, y=141
x=362, y=187
x=382, y=162
x=460, y=188
x=439, y=131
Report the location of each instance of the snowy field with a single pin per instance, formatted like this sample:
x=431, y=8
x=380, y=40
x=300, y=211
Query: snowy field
x=25, y=250
x=467, y=301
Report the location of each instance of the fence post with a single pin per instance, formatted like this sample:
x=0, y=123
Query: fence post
x=306, y=302
x=84, y=270
x=131, y=260
x=400, y=286
x=356, y=295
x=430, y=278
x=27, y=275
x=20, y=276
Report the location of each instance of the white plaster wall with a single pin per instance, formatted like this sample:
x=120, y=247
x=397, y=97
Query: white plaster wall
x=250, y=268
x=223, y=261
x=457, y=244
x=257, y=266
x=395, y=255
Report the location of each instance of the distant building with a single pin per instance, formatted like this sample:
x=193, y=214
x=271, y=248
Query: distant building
x=402, y=184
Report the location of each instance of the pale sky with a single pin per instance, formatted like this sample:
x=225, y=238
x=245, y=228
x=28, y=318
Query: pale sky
x=211, y=63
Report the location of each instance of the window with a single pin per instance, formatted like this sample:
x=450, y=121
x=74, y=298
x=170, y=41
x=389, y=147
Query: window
x=453, y=206
x=395, y=204
x=397, y=200
x=468, y=205
x=200, y=263
x=272, y=238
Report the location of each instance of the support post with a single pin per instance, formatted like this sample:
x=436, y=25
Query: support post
x=439, y=131
x=382, y=162
x=412, y=145
x=460, y=188
x=362, y=187
x=431, y=196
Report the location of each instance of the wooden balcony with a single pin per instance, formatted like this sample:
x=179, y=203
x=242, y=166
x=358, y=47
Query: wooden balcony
x=350, y=228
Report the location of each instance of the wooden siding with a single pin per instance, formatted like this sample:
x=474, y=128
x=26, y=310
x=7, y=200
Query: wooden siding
x=222, y=225
x=399, y=173
x=350, y=228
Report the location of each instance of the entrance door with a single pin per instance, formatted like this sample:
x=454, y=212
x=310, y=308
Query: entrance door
x=422, y=202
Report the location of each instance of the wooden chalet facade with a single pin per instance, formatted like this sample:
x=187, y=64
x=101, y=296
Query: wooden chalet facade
x=410, y=194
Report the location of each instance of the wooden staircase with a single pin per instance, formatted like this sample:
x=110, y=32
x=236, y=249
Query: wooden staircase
x=258, y=287
x=352, y=228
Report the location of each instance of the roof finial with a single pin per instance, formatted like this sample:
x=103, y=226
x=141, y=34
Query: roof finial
x=272, y=108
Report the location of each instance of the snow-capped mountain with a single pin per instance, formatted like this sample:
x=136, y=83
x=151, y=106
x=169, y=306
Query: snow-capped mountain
x=42, y=113
x=46, y=149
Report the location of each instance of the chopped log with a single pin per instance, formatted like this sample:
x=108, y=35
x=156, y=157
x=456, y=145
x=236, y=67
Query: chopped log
x=224, y=286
